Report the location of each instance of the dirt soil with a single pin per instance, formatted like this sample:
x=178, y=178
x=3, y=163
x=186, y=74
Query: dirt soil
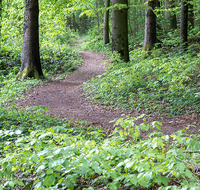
x=64, y=98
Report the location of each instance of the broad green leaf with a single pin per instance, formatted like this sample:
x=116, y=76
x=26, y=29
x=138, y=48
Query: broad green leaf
x=142, y=182
x=161, y=180
x=34, y=158
x=95, y=165
x=113, y=186
x=70, y=185
x=38, y=185
x=188, y=173
x=54, y=163
x=134, y=179
x=45, y=135
x=19, y=183
x=18, y=132
x=129, y=164
x=181, y=166
x=49, y=180
x=148, y=175
x=12, y=183
x=40, y=168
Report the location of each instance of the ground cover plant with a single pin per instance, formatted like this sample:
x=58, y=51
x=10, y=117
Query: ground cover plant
x=163, y=80
x=60, y=157
x=43, y=152
x=93, y=41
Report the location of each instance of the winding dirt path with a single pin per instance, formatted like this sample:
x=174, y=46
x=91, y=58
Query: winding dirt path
x=64, y=98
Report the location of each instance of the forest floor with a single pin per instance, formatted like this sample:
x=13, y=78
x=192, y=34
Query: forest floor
x=65, y=99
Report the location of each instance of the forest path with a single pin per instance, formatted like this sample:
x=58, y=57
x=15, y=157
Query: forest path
x=64, y=98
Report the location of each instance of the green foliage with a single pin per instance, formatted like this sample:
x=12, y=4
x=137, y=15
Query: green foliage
x=56, y=55
x=93, y=41
x=10, y=89
x=43, y=152
x=59, y=59
x=55, y=157
x=165, y=81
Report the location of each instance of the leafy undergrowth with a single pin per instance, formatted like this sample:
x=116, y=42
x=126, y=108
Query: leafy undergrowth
x=10, y=89
x=93, y=41
x=59, y=60
x=56, y=59
x=42, y=152
x=165, y=82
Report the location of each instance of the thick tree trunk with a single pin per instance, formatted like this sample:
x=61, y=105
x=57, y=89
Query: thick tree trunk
x=106, y=24
x=31, y=66
x=150, y=26
x=120, y=30
x=184, y=23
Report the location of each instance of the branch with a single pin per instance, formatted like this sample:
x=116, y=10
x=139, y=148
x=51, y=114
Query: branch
x=190, y=151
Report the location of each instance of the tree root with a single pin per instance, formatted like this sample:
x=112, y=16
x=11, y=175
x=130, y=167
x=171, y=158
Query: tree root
x=29, y=71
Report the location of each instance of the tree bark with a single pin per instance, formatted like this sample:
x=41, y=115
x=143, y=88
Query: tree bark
x=120, y=30
x=173, y=19
x=184, y=23
x=97, y=18
x=170, y=15
x=130, y=19
x=0, y=20
x=150, y=26
x=106, y=24
x=190, y=14
x=31, y=65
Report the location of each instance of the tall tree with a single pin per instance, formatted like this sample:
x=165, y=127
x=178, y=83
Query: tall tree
x=99, y=14
x=31, y=65
x=120, y=29
x=150, y=26
x=170, y=15
x=0, y=19
x=106, y=24
x=184, y=23
x=190, y=14
x=173, y=20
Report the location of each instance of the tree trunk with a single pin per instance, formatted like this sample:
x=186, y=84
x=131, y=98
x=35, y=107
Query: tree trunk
x=120, y=30
x=129, y=20
x=0, y=20
x=159, y=29
x=173, y=19
x=75, y=25
x=170, y=15
x=69, y=22
x=150, y=26
x=190, y=14
x=106, y=24
x=97, y=18
x=184, y=23
x=31, y=66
